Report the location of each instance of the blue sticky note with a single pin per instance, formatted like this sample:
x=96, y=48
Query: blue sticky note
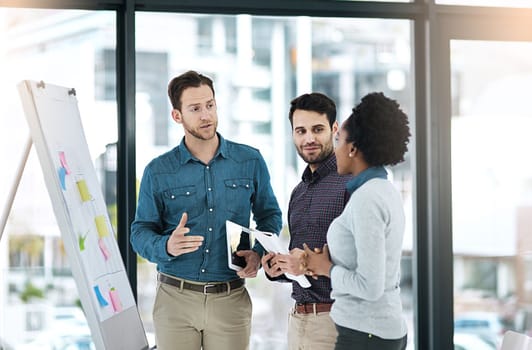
x=100, y=297
x=62, y=174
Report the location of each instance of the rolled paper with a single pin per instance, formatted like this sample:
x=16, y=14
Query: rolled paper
x=83, y=190
x=115, y=300
x=62, y=159
x=99, y=296
x=101, y=226
x=103, y=249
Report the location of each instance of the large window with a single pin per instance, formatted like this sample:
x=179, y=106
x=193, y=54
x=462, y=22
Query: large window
x=258, y=65
x=67, y=48
x=467, y=245
x=491, y=187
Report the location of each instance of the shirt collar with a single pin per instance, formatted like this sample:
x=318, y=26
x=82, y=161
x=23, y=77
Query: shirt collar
x=325, y=167
x=366, y=175
x=186, y=156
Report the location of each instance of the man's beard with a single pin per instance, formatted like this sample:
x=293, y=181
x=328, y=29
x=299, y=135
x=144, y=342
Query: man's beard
x=197, y=134
x=316, y=159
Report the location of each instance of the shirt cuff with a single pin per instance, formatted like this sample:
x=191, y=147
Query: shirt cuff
x=281, y=278
x=259, y=249
x=166, y=256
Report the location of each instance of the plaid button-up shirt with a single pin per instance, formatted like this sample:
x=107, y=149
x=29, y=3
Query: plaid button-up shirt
x=318, y=199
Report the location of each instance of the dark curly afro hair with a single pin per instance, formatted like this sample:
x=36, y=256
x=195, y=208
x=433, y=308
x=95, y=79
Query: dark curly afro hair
x=379, y=129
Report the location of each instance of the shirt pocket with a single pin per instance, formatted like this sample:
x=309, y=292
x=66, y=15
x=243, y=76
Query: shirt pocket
x=239, y=193
x=181, y=199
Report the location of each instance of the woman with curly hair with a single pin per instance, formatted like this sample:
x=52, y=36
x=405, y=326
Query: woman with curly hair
x=365, y=241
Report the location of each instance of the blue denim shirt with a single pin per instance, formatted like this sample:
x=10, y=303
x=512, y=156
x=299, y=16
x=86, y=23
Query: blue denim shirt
x=235, y=183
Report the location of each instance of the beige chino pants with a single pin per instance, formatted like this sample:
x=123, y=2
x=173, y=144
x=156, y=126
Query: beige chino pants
x=190, y=320
x=311, y=331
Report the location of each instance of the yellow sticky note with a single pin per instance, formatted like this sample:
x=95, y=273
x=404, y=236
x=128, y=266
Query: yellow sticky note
x=83, y=190
x=101, y=226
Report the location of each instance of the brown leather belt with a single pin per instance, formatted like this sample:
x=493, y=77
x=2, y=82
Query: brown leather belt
x=312, y=308
x=205, y=288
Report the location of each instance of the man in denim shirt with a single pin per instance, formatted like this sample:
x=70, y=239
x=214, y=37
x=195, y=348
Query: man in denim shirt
x=186, y=195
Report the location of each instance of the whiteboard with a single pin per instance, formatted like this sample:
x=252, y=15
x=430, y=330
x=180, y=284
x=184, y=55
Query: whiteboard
x=77, y=199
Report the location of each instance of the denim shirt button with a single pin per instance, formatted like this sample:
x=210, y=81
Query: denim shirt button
x=172, y=197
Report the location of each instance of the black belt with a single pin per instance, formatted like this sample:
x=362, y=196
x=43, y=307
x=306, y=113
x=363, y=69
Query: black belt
x=206, y=288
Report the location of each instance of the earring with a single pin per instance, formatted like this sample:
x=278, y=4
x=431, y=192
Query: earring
x=350, y=155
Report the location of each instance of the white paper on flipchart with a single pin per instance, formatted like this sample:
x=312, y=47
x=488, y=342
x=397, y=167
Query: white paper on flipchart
x=272, y=243
x=56, y=131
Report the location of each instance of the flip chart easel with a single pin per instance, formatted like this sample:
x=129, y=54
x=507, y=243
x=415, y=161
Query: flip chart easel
x=97, y=267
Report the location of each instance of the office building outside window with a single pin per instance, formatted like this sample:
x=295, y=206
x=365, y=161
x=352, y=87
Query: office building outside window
x=38, y=296
x=258, y=65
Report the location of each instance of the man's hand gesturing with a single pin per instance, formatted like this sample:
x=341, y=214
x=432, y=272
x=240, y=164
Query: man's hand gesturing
x=178, y=243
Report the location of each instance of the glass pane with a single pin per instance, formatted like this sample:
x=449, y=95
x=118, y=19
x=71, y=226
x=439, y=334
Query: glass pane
x=492, y=3
x=259, y=64
x=38, y=296
x=492, y=187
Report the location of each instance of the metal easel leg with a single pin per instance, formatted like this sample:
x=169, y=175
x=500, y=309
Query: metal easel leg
x=14, y=187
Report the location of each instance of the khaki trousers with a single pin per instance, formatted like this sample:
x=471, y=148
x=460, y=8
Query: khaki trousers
x=311, y=331
x=189, y=320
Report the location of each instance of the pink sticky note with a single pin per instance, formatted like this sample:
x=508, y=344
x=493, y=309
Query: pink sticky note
x=115, y=300
x=62, y=159
x=103, y=248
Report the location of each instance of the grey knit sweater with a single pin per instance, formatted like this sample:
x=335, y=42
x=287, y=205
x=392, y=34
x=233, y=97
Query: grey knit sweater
x=365, y=244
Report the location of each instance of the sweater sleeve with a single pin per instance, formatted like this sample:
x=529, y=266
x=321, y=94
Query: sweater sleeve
x=366, y=222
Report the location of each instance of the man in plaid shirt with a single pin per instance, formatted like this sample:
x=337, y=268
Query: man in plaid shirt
x=315, y=202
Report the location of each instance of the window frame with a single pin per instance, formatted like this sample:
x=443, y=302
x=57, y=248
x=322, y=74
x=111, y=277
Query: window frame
x=432, y=252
